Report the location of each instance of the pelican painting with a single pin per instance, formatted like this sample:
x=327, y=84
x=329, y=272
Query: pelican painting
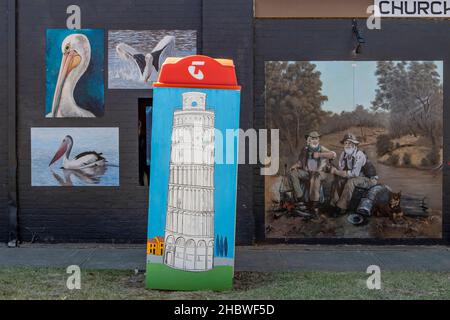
x=135, y=57
x=75, y=156
x=74, y=75
x=84, y=160
x=148, y=65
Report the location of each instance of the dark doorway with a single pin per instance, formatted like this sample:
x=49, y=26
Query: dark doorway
x=144, y=136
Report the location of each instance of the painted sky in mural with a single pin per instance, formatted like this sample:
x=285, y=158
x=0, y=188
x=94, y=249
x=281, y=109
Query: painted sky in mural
x=335, y=78
x=74, y=73
x=75, y=156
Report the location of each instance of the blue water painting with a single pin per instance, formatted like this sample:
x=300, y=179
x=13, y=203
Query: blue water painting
x=89, y=90
x=125, y=74
x=45, y=143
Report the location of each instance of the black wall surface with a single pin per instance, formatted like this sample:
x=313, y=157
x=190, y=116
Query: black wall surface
x=225, y=29
x=3, y=122
x=104, y=214
x=331, y=39
x=228, y=33
x=113, y=214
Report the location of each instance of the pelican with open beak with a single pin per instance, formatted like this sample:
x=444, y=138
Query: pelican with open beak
x=76, y=55
x=84, y=160
x=149, y=64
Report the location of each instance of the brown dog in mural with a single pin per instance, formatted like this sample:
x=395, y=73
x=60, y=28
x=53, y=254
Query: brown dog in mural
x=391, y=209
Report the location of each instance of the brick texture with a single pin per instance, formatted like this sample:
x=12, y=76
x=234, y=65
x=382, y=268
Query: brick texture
x=224, y=29
x=105, y=214
x=228, y=33
x=3, y=122
x=90, y=214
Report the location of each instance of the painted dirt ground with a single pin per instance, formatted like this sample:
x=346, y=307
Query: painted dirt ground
x=423, y=182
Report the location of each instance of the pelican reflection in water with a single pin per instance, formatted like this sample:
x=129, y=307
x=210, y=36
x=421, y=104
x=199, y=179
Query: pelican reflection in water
x=86, y=176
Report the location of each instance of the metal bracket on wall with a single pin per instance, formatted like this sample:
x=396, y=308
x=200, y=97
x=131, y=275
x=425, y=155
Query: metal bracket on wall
x=12, y=134
x=358, y=37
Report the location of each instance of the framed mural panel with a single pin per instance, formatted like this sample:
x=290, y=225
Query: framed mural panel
x=136, y=56
x=75, y=67
x=361, y=149
x=72, y=157
x=193, y=180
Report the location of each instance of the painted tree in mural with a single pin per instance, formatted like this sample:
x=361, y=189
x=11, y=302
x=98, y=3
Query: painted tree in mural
x=225, y=247
x=220, y=246
x=293, y=103
x=413, y=95
x=361, y=117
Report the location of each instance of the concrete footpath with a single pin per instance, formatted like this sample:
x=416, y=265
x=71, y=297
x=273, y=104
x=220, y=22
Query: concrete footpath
x=267, y=258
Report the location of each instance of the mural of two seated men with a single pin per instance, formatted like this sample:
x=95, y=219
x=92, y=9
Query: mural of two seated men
x=314, y=166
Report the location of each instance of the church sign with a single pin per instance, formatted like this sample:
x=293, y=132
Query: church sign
x=413, y=8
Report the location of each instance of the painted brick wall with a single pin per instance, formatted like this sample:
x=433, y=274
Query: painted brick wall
x=228, y=33
x=331, y=39
x=91, y=214
x=3, y=122
x=104, y=214
x=225, y=29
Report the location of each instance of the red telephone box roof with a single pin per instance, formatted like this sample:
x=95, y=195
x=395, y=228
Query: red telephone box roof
x=198, y=72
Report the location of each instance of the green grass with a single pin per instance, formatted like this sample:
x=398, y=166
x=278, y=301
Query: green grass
x=44, y=283
x=161, y=276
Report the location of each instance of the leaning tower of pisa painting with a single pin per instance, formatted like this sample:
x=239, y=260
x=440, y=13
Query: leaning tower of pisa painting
x=189, y=231
x=192, y=190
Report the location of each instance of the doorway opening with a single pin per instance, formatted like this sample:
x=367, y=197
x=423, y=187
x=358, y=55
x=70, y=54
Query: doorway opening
x=144, y=136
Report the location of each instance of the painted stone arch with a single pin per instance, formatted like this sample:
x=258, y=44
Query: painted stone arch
x=179, y=253
x=169, y=250
x=201, y=258
x=190, y=252
x=209, y=254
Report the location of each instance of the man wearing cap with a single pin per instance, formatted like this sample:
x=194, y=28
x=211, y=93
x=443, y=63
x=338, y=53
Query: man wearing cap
x=354, y=170
x=309, y=170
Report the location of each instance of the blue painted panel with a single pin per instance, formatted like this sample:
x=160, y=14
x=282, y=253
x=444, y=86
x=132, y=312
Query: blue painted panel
x=148, y=118
x=226, y=105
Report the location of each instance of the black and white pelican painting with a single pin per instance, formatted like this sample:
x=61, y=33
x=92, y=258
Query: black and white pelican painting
x=75, y=82
x=75, y=156
x=135, y=57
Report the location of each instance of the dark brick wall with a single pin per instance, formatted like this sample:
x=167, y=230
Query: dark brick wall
x=92, y=214
x=228, y=33
x=105, y=214
x=3, y=122
x=225, y=29
x=331, y=39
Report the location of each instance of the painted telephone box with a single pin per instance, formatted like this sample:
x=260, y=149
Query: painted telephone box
x=194, y=153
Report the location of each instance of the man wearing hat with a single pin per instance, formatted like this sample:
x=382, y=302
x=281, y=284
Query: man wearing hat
x=309, y=170
x=354, y=170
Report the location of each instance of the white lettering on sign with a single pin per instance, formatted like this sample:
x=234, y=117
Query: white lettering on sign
x=413, y=8
x=196, y=72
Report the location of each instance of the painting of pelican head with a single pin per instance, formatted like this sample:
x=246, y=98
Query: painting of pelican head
x=75, y=86
x=135, y=57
